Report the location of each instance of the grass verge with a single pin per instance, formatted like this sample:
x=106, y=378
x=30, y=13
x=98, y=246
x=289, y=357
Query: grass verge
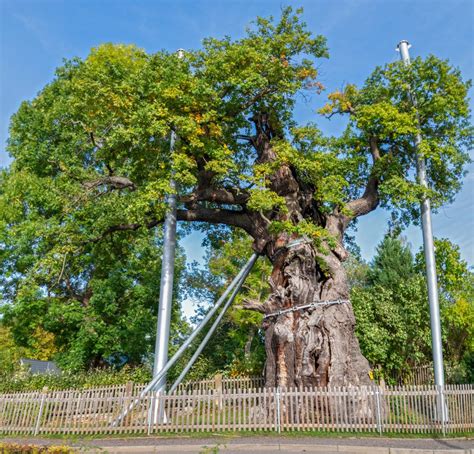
x=77, y=438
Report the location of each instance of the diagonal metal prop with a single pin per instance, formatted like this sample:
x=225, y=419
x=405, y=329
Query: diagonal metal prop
x=237, y=281
x=208, y=335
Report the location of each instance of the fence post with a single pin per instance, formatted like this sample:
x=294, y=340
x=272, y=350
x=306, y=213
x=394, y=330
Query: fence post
x=378, y=392
x=278, y=409
x=40, y=413
x=218, y=390
x=150, y=398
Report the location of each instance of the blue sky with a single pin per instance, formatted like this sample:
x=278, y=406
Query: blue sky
x=37, y=34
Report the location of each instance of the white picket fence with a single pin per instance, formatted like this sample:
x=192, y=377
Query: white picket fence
x=218, y=382
x=409, y=409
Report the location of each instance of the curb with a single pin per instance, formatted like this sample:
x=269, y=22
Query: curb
x=252, y=448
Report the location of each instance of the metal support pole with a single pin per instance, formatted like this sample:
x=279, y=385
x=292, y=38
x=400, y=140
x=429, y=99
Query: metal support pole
x=166, y=285
x=243, y=272
x=167, y=277
x=208, y=335
x=428, y=247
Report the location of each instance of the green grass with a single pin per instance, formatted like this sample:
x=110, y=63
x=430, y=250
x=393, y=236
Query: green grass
x=219, y=435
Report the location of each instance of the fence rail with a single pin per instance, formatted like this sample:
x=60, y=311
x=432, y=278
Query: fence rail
x=417, y=375
x=222, y=383
x=354, y=409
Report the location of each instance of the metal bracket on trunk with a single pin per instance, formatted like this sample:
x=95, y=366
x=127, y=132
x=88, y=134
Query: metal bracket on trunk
x=306, y=306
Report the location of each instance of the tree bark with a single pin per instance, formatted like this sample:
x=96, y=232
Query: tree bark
x=313, y=346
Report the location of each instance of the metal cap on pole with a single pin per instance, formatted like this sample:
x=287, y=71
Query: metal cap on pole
x=428, y=246
x=403, y=47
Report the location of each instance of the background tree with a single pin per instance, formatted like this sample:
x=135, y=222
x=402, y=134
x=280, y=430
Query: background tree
x=456, y=284
x=99, y=311
x=392, y=312
x=92, y=167
x=393, y=322
x=238, y=347
x=392, y=263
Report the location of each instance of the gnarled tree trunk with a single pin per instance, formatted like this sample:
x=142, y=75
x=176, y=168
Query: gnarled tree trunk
x=312, y=346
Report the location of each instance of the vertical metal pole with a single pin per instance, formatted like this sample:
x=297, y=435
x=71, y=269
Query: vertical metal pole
x=166, y=284
x=431, y=279
x=167, y=275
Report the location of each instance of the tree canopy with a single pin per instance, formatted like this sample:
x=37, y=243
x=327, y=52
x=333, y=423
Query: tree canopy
x=92, y=164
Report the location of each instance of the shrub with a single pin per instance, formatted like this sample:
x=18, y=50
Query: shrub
x=16, y=448
x=77, y=380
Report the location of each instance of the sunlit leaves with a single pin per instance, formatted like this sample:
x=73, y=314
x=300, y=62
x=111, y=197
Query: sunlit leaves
x=306, y=229
x=385, y=121
x=383, y=108
x=265, y=200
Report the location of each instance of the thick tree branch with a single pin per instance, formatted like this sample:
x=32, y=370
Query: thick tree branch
x=124, y=228
x=217, y=216
x=374, y=149
x=230, y=196
x=199, y=214
x=254, y=305
x=367, y=203
x=112, y=181
x=337, y=222
x=370, y=198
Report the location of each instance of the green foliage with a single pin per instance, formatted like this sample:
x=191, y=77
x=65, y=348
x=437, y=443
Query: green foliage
x=391, y=306
x=264, y=200
x=454, y=277
x=92, y=164
x=237, y=346
x=456, y=285
x=41, y=347
x=393, y=263
x=10, y=353
x=103, y=312
x=382, y=110
x=393, y=324
x=91, y=152
x=24, y=381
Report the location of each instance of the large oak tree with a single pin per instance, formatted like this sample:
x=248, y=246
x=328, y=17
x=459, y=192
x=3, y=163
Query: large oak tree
x=92, y=166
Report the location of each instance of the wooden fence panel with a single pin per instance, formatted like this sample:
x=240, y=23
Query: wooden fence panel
x=411, y=409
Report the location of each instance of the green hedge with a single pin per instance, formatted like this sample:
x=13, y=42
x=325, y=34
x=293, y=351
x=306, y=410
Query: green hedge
x=24, y=381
